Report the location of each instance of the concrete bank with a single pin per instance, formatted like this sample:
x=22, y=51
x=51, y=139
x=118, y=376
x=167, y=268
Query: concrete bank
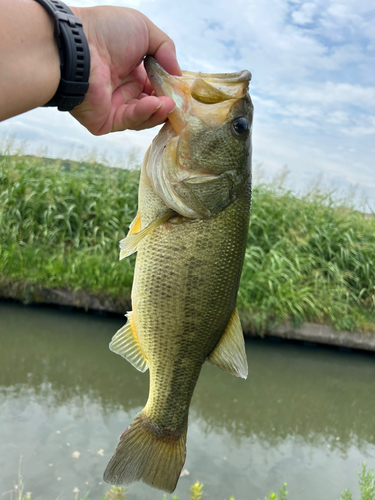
x=34, y=294
x=308, y=332
x=323, y=334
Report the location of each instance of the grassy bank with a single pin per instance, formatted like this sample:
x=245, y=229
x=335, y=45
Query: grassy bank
x=308, y=259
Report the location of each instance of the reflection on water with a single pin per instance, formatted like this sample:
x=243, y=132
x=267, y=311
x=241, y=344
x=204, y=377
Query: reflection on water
x=304, y=416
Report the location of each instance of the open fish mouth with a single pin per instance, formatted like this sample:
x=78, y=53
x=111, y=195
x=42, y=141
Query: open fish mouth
x=192, y=89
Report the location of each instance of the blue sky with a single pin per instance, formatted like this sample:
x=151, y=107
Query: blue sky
x=313, y=87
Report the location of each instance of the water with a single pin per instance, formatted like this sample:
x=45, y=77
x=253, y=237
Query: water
x=304, y=416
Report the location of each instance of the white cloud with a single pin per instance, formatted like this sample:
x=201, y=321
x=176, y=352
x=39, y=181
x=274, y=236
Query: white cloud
x=360, y=130
x=338, y=118
x=330, y=93
x=305, y=14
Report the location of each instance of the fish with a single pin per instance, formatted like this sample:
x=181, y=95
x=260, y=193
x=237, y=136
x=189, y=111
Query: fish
x=190, y=236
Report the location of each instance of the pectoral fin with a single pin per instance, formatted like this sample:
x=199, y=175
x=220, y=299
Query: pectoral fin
x=229, y=354
x=135, y=226
x=129, y=244
x=126, y=343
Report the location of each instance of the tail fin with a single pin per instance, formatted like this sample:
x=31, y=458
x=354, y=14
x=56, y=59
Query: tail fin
x=148, y=454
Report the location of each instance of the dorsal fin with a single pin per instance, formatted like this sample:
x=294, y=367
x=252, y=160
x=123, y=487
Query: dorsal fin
x=229, y=354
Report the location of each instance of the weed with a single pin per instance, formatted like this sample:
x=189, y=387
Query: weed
x=116, y=493
x=280, y=496
x=366, y=485
x=196, y=491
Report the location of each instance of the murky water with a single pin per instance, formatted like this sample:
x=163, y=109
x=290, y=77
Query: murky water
x=304, y=416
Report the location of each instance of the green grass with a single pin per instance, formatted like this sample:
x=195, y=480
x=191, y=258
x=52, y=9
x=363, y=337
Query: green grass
x=60, y=224
x=308, y=258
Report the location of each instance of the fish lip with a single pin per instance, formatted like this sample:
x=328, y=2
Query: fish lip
x=156, y=74
x=161, y=81
x=171, y=86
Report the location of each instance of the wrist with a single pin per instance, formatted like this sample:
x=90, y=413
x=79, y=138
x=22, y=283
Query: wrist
x=50, y=72
x=47, y=52
x=30, y=62
x=77, y=11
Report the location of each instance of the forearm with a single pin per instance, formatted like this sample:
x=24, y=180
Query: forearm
x=29, y=57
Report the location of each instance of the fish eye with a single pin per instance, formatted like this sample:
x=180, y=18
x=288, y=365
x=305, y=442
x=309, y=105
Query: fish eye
x=241, y=126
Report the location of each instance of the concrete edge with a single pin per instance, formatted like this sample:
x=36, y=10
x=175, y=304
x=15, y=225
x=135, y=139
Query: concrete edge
x=34, y=294
x=322, y=334
x=308, y=332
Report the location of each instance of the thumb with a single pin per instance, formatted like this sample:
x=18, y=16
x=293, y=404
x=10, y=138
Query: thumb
x=162, y=48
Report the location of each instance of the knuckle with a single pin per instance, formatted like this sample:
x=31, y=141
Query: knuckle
x=171, y=43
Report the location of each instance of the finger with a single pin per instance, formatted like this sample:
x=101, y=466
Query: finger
x=145, y=113
x=158, y=118
x=162, y=48
x=148, y=88
x=134, y=101
x=131, y=87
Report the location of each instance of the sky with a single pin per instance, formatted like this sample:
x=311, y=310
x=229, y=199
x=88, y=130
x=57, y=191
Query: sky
x=313, y=88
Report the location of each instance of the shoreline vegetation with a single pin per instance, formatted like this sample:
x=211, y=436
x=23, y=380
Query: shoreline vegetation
x=366, y=484
x=309, y=259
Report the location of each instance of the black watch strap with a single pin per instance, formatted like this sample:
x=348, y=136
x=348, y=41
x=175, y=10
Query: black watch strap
x=74, y=54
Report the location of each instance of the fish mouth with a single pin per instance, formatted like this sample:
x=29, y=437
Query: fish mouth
x=195, y=90
x=171, y=86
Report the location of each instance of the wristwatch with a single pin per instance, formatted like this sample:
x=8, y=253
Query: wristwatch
x=74, y=55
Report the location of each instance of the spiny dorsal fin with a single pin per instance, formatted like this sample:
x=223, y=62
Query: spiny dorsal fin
x=125, y=343
x=129, y=244
x=230, y=354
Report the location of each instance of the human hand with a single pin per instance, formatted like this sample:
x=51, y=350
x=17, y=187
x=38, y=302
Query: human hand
x=120, y=94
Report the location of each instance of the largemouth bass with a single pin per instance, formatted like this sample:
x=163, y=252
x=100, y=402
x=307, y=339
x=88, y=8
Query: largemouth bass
x=190, y=234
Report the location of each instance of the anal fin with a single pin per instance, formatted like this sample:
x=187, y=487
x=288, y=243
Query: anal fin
x=129, y=244
x=229, y=354
x=126, y=343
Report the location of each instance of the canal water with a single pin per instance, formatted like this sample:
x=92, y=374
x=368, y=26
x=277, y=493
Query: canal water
x=305, y=416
